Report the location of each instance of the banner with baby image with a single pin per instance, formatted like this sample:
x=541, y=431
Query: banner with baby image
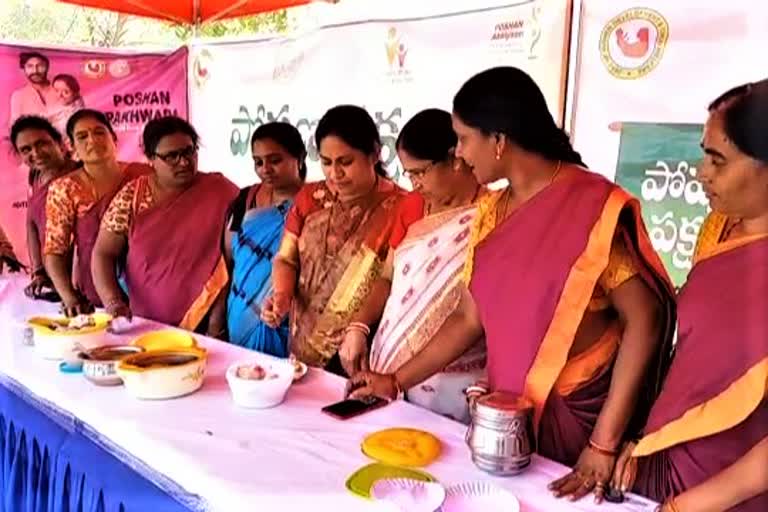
x=130, y=88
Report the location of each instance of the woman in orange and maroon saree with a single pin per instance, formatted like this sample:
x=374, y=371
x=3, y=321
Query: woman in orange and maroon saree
x=706, y=440
x=336, y=239
x=75, y=205
x=575, y=305
x=168, y=225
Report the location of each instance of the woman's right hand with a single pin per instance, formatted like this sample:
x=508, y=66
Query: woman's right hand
x=117, y=308
x=353, y=352
x=275, y=309
x=76, y=305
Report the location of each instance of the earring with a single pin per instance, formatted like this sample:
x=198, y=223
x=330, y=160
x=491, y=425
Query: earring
x=498, y=156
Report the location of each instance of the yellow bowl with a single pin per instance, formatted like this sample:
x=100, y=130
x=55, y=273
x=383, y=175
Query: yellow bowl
x=60, y=344
x=166, y=339
x=46, y=325
x=163, y=374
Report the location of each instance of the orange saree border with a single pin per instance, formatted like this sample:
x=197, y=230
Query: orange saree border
x=709, y=244
x=207, y=297
x=726, y=410
x=552, y=357
x=734, y=404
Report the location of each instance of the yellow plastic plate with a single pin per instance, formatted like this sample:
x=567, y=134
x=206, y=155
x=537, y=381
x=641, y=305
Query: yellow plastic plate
x=402, y=447
x=362, y=480
x=166, y=339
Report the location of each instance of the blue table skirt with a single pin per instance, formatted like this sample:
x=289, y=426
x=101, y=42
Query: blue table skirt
x=52, y=462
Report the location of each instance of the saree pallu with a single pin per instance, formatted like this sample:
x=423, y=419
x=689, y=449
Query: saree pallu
x=175, y=268
x=426, y=289
x=254, y=246
x=332, y=285
x=713, y=407
x=87, y=230
x=533, y=278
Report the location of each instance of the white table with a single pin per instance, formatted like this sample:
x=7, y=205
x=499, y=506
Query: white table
x=291, y=457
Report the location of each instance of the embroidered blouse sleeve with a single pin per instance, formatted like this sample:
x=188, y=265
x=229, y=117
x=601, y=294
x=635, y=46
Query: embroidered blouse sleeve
x=61, y=215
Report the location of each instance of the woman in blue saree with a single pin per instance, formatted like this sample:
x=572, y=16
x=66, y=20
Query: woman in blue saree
x=254, y=231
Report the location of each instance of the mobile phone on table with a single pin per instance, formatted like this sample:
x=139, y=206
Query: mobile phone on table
x=350, y=408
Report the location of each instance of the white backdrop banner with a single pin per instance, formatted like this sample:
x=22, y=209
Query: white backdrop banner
x=392, y=68
x=648, y=70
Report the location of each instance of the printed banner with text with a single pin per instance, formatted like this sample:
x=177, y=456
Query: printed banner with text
x=392, y=68
x=129, y=88
x=647, y=72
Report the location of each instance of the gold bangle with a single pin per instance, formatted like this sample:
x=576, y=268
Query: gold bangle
x=602, y=450
x=672, y=504
x=359, y=326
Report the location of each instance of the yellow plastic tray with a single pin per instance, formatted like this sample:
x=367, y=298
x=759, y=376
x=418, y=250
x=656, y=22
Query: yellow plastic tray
x=362, y=480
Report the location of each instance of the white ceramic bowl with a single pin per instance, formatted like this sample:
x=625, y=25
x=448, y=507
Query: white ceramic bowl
x=55, y=344
x=163, y=374
x=261, y=394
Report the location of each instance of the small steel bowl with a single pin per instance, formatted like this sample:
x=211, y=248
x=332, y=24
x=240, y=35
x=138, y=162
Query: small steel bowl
x=100, y=364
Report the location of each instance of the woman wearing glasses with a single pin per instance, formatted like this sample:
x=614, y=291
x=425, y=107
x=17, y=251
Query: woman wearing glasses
x=75, y=205
x=422, y=284
x=170, y=224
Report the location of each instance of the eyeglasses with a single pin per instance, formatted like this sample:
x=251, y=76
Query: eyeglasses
x=419, y=172
x=174, y=157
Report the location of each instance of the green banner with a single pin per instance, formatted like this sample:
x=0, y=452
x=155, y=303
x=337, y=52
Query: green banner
x=657, y=163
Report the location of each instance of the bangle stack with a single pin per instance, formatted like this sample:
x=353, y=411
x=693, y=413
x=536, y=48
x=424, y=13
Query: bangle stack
x=358, y=327
x=602, y=450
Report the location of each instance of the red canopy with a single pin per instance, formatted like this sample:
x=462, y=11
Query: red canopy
x=190, y=11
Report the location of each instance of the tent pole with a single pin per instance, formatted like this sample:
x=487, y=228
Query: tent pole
x=197, y=16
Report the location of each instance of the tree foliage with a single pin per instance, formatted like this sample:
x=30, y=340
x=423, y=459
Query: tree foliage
x=47, y=21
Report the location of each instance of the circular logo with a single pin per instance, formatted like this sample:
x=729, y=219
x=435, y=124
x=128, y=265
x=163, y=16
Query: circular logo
x=119, y=68
x=632, y=43
x=94, y=68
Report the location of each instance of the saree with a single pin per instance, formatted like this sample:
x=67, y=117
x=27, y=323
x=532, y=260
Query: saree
x=87, y=230
x=342, y=248
x=534, y=277
x=704, y=421
x=255, y=242
x=175, y=268
x=426, y=289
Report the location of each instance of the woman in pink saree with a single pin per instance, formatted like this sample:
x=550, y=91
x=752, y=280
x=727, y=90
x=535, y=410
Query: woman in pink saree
x=168, y=227
x=706, y=441
x=421, y=283
x=575, y=305
x=41, y=147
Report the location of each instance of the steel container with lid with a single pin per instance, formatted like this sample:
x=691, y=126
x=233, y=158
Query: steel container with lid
x=500, y=435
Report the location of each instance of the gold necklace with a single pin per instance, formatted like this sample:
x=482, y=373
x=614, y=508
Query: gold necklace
x=503, y=211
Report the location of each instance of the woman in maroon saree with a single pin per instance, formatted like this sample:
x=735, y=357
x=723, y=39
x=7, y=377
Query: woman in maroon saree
x=575, y=305
x=168, y=225
x=706, y=441
x=41, y=148
x=75, y=204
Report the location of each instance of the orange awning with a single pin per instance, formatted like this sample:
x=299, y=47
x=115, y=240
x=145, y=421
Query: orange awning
x=189, y=11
